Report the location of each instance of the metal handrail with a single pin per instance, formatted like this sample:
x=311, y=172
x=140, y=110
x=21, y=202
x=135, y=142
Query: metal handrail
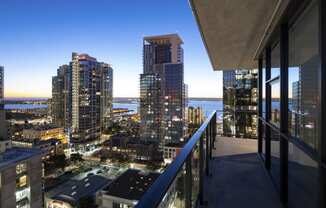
x=157, y=191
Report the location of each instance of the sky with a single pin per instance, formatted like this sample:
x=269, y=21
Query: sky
x=37, y=36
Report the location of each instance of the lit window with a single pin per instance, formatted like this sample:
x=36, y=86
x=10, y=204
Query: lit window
x=21, y=181
x=21, y=168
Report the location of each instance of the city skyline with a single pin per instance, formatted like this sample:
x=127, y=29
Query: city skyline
x=33, y=47
x=162, y=104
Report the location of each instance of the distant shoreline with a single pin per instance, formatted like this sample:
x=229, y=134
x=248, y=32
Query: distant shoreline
x=115, y=100
x=133, y=99
x=12, y=100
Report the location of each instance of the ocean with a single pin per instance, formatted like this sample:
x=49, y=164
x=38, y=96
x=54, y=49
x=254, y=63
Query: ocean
x=207, y=105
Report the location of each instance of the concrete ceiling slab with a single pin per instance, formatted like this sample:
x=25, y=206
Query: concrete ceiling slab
x=233, y=30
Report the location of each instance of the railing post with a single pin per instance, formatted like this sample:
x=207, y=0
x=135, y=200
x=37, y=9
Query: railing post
x=188, y=181
x=201, y=170
x=214, y=128
x=210, y=139
x=207, y=150
x=260, y=105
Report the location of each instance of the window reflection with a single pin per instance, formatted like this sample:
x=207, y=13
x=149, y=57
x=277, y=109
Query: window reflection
x=303, y=179
x=264, y=88
x=240, y=103
x=275, y=114
x=275, y=85
x=304, y=76
x=304, y=82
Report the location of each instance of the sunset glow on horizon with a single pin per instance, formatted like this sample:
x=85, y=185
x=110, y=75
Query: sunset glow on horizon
x=33, y=47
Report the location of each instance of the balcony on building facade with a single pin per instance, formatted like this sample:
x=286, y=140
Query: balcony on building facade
x=208, y=169
x=286, y=165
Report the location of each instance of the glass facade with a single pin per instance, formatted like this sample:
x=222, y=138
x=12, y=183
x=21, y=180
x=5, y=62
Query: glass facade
x=275, y=85
x=173, y=118
x=150, y=108
x=304, y=72
x=275, y=113
x=304, y=78
x=229, y=84
x=162, y=91
x=263, y=139
x=82, y=97
x=304, y=108
x=1, y=83
x=264, y=88
x=90, y=95
x=61, y=97
x=240, y=99
x=293, y=146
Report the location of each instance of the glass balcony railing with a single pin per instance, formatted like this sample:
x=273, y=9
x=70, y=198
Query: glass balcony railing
x=181, y=184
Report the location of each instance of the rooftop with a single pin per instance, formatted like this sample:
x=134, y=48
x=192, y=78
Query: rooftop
x=37, y=141
x=132, y=184
x=42, y=127
x=167, y=37
x=15, y=155
x=83, y=57
x=73, y=190
x=174, y=145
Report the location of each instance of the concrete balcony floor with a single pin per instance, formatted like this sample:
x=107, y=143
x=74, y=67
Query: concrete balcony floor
x=238, y=178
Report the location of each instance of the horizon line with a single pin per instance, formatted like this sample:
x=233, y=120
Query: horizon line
x=13, y=97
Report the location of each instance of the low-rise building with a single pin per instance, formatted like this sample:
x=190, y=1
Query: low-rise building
x=20, y=177
x=49, y=147
x=70, y=194
x=45, y=132
x=170, y=152
x=126, y=190
x=3, y=123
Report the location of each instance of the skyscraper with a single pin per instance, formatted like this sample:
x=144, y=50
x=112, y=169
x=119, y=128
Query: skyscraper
x=1, y=83
x=162, y=90
x=90, y=96
x=3, y=129
x=308, y=101
x=61, y=97
x=294, y=116
x=82, y=97
x=240, y=103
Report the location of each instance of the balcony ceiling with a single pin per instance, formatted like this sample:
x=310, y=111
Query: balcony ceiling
x=235, y=31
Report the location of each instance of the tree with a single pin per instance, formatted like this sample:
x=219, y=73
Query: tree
x=60, y=161
x=76, y=157
x=55, y=162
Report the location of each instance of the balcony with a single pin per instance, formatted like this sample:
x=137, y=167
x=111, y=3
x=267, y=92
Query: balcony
x=238, y=177
x=214, y=171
